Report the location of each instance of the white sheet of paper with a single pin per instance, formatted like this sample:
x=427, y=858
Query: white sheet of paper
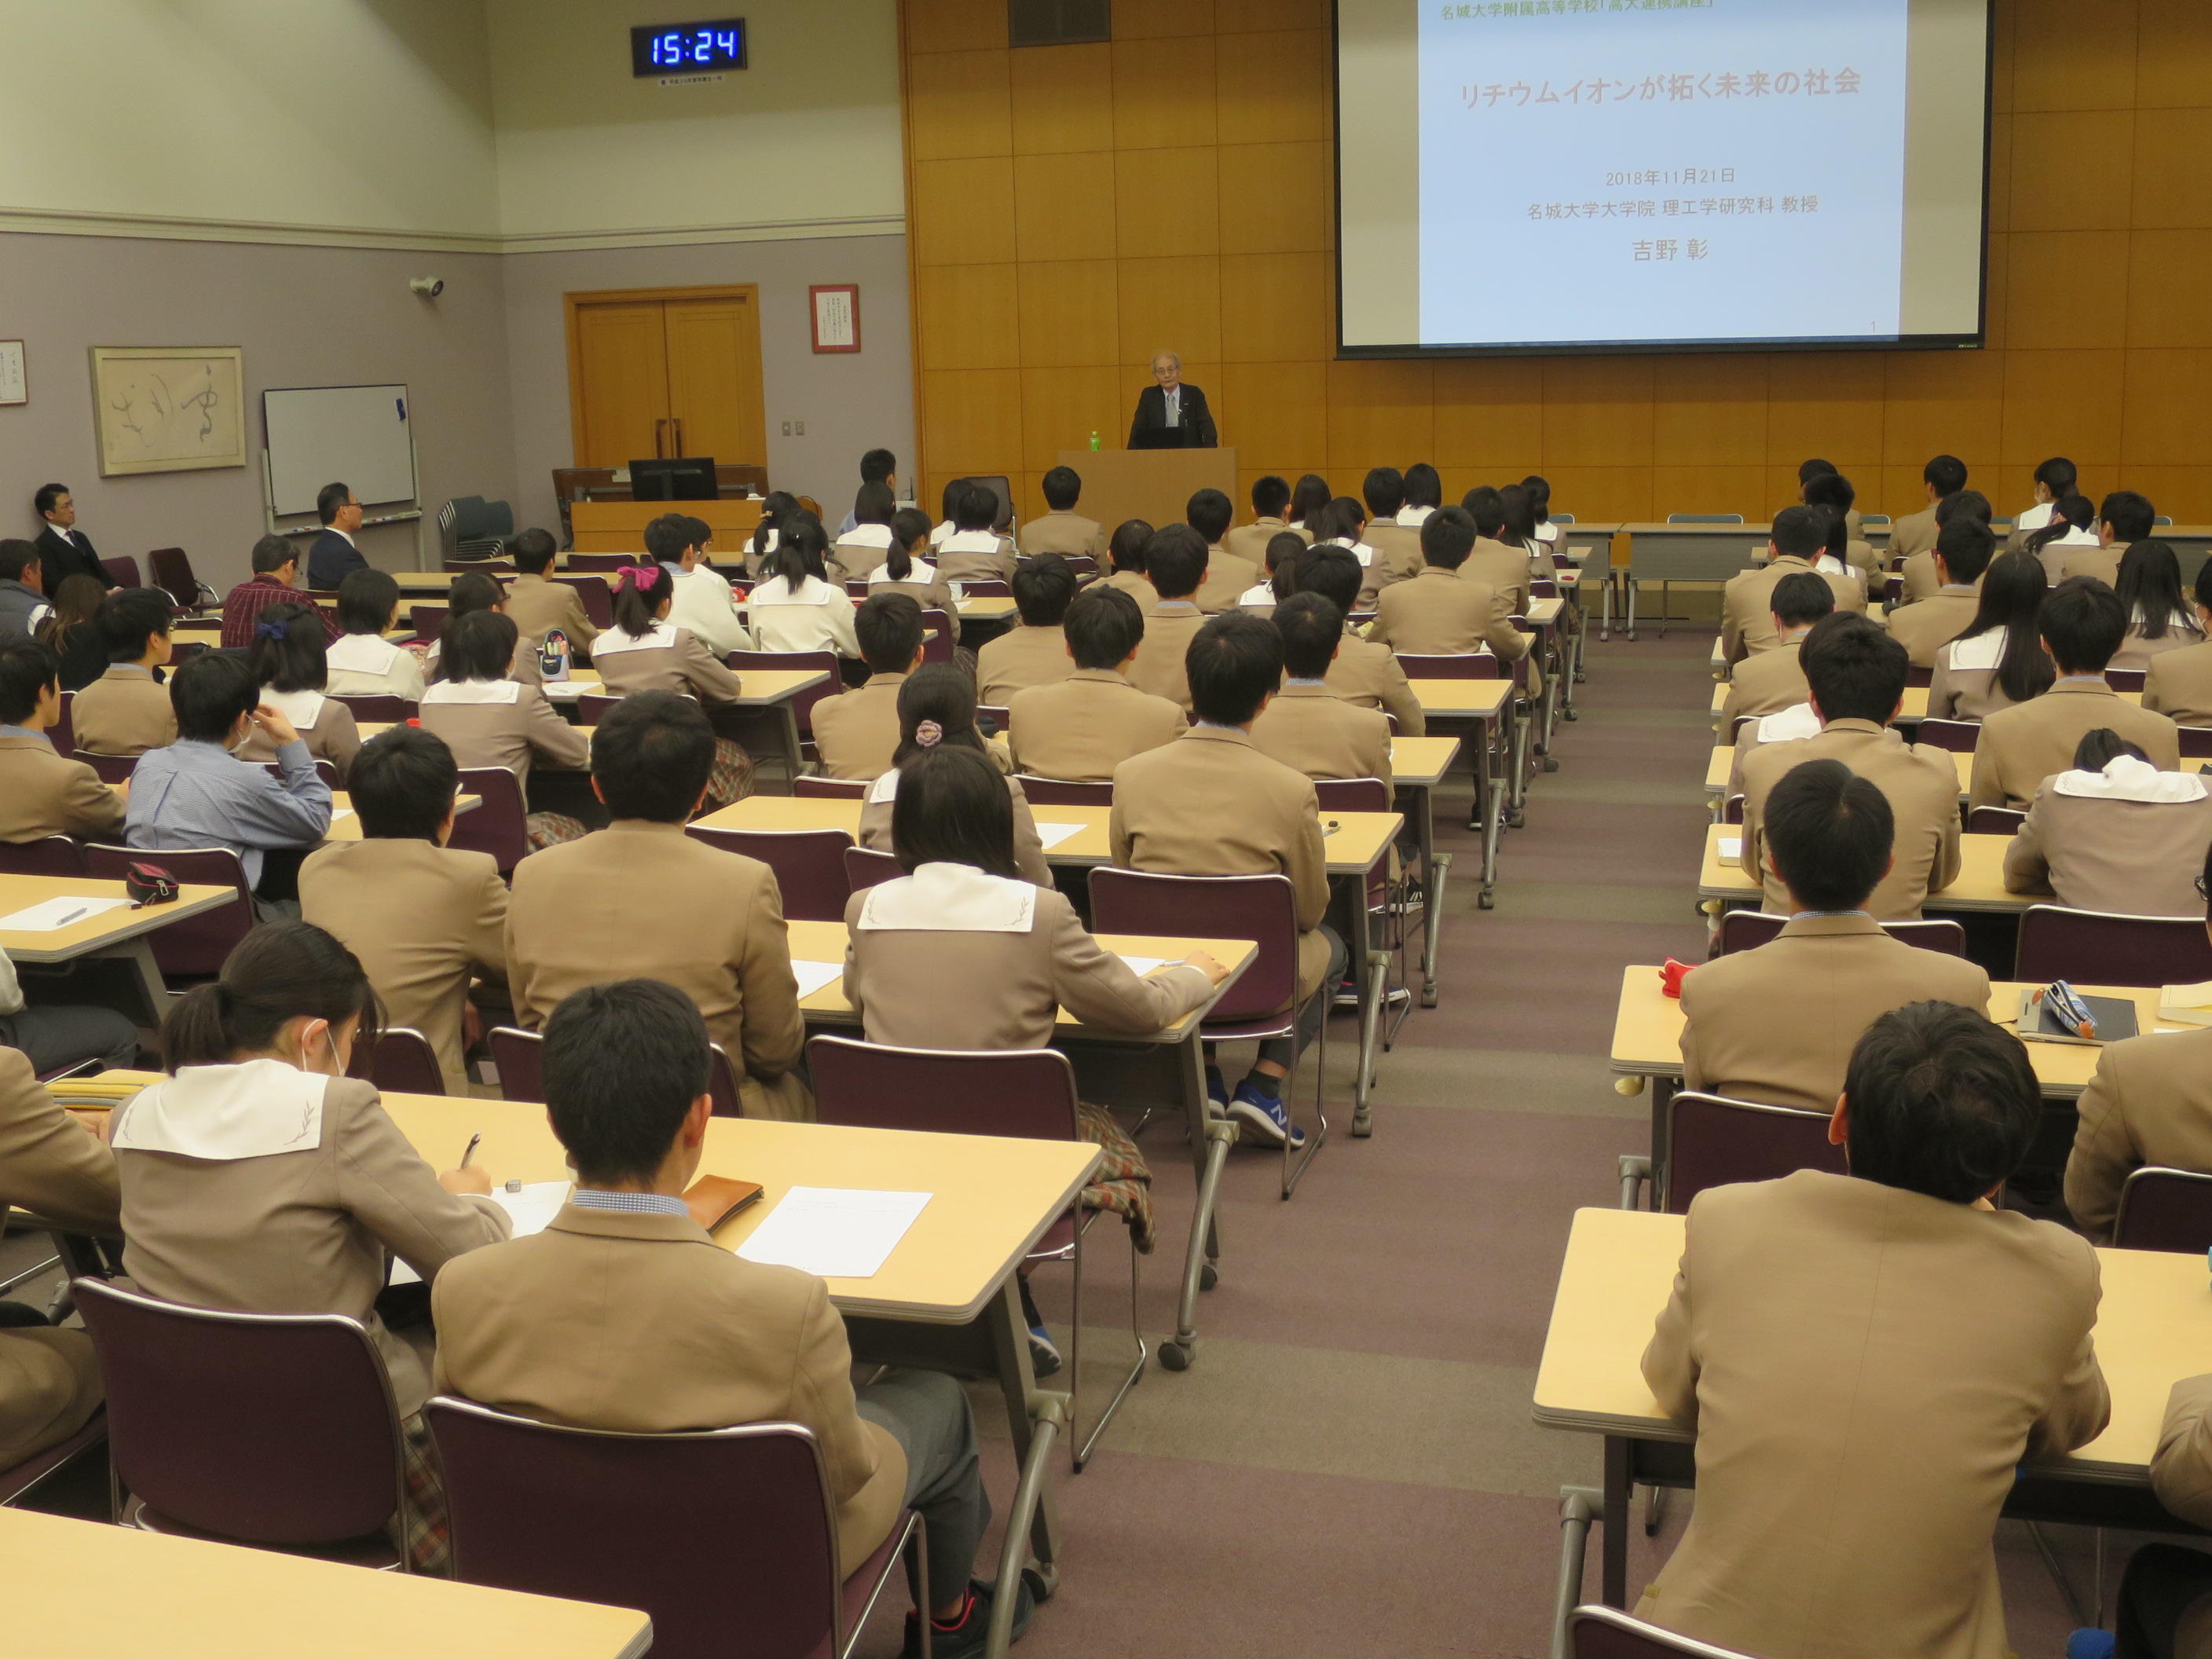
x=813, y=975
x=337, y=812
x=1143, y=965
x=53, y=915
x=834, y=1233
x=1053, y=833
x=1731, y=848
x=531, y=1210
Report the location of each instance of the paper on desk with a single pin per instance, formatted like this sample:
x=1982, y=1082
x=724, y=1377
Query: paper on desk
x=1731, y=848
x=2188, y=1004
x=337, y=812
x=54, y=915
x=531, y=1210
x=1142, y=966
x=813, y=975
x=834, y=1233
x=1053, y=833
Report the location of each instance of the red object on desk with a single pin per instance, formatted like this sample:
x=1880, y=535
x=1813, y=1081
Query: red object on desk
x=1672, y=975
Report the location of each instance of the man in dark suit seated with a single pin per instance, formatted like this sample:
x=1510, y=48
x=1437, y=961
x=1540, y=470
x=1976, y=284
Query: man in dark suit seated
x=64, y=549
x=1170, y=415
x=334, y=558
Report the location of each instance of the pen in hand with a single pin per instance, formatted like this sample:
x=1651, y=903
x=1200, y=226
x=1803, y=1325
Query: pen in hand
x=470, y=1151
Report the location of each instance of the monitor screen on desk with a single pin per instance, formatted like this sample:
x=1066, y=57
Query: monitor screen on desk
x=682, y=478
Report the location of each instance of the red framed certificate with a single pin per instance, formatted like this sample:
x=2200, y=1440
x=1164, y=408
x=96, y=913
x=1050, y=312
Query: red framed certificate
x=836, y=309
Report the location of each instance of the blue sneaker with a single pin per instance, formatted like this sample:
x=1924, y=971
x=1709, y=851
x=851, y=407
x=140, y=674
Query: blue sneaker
x=1216, y=1088
x=1044, y=1353
x=1266, y=1115
x=2091, y=1644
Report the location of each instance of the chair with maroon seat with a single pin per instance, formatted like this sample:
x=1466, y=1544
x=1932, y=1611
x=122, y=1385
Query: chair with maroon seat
x=197, y=947
x=1028, y=1094
x=809, y=866
x=814, y=788
x=62, y=734
x=599, y=598
x=1388, y=901
x=427, y=619
x=49, y=855
x=1457, y=665
x=109, y=769
x=2096, y=947
x=1960, y=737
x=865, y=867
x=173, y=575
x=938, y=631
x=1737, y=724
x=378, y=707
x=984, y=587
x=592, y=706
x=1262, y=1003
x=726, y=1538
x=992, y=717
x=1732, y=810
x=519, y=1057
x=2197, y=742
x=207, y=1433
x=401, y=1062
x=2163, y=1209
x=1994, y=821
x=1714, y=1141
x=499, y=824
x=1919, y=677
x=1745, y=930
x=20, y=1481
x=2126, y=679
x=1063, y=792
x=122, y=570
x=1082, y=565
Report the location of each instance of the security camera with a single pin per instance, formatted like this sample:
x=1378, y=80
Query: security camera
x=428, y=286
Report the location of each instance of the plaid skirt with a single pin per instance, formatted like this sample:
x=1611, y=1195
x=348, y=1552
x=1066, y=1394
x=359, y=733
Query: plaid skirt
x=1124, y=1182
x=732, y=779
x=550, y=829
x=422, y=1530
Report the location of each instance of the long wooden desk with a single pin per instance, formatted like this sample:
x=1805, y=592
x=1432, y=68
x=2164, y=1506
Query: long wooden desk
x=87, y=1590
x=118, y=933
x=759, y=690
x=1721, y=766
x=1914, y=706
x=619, y=527
x=1980, y=886
x=2153, y=1328
x=345, y=823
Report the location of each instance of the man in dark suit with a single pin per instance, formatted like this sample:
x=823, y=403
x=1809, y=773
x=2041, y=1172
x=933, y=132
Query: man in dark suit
x=334, y=558
x=1170, y=415
x=63, y=551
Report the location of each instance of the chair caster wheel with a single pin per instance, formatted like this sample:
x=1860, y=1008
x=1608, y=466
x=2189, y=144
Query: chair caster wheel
x=1042, y=1581
x=1570, y=714
x=1208, y=1276
x=1515, y=817
x=1428, y=996
x=1362, y=1125
x=1551, y=763
x=1487, y=899
x=1173, y=1357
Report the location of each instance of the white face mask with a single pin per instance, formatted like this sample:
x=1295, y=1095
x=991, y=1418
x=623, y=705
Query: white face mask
x=330, y=1047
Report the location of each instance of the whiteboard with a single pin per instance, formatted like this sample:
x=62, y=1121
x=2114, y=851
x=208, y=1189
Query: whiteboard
x=355, y=434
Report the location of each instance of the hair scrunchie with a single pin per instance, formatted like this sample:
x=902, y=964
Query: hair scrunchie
x=928, y=734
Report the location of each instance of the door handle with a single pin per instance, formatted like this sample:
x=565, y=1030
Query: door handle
x=660, y=452
x=679, y=434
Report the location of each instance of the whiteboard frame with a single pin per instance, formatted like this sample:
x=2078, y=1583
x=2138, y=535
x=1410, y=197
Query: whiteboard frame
x=409, y=507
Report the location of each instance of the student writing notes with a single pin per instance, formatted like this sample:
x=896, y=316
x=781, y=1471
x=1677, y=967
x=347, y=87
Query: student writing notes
x=682, y=1333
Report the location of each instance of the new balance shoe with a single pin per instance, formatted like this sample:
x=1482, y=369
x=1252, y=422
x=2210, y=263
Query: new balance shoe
x=1265, y=1117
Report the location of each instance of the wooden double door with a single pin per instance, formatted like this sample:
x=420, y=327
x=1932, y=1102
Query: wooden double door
x=666, y=372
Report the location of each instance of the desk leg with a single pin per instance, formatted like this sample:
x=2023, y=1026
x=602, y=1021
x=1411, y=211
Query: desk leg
x=1210, y=1138
x=1036, y=1419
x=1433, y=872
x=1619, y=1505
x=153, y=992
x=1516, y=796
x=1605, y=623
x=792, y=758
x=1489, y=809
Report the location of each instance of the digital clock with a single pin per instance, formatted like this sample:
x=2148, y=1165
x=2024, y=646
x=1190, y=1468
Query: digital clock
x=681, y=48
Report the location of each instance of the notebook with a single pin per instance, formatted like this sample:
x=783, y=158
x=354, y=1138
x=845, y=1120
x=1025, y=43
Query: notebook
x=2115, y=1017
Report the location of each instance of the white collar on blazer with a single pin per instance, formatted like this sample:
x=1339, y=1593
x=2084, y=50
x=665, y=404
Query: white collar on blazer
x=360, y=653
x=1797, y=721
x=883, y=788
x=1414, y=517
x=260, y=1109
x=2076, y=538
x=474, y=691
x=778, y=590
x=918, y=572
x=614, y=642
x=868, y=535
x=1983, y=651
x=1258, y=594
x=952, y=898
x=1362, y=552
x=302, y=708
x=1829, y=565
x=940, y=533
x=2126, y=778
x=2034, y=518
x=972, y=541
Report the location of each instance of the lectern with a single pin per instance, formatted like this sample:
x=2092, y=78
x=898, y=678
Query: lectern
x=1151, y=484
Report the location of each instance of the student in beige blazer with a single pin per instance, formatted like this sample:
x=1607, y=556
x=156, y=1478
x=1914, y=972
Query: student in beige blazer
x=1210, y=513
x=1915, y=532
x=1772, y=681
x=1856, y=675
x=1271, y=499
x=1081, y=727
x=1210, y=804
x=50, y=1164
x=1748, y=600
x=126, y=710
x=1776, y=1023
x=907, y=570
x=287, y=661
x=538, y=602
x=2124, y=518
x=856, y=732
x=1999, y=660
x=2160, y=619
x=975, y=551
x=862, y=549
x=1833, y=490
x=1174, y=564
x=2114, y=833
x=2166, y=1596
x=1125, y=552
x=1397, y=546
x=936, y=708
x=361, y=662
x=489, y=720
x=1858, y=1427
x=1365, y=674
x=426, y=920
x=1963, y=551
x=42, y=792
x=1306, y=726
x=2082, y=622
x=626, y=1315
x=1062, y=530
x=1502, y=569
x=1035, y=653
x=2179, y=683
x=1441, y=612
x=601, y=908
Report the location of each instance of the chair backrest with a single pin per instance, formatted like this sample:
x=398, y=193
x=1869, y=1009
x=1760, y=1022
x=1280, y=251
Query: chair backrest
x=2094, y=947
x=2163, y=1209
x=62, y=734
x=1745, y=930
x=1352, y=794
x=1715, y=1142
x=499, y=822
x=599, y=598
x=2126, y=679
x=267, y=1428
x=1600, y=1632
x=519, y=1056
x=1736, y=726
x=589, y=562
x=197, y=947
x=49, y=855
x=1003, y=486
x=1261, y=909
x=1561, y=518
x=982, y=587
x=124, y=569
x=1064, y=792
x=1732, y=810
x=1874, y=518
x=1960, y=737
x=1468, y=666
x=810, y=787
x=865, y=868
x=1027, y=1093
x=937, y=636
x=1994, y=820
x=992, y=717
x=378, y=707
x=725, y=1537
x=2197, y=742
x=809, y=866
x=402, y=1062
x=802, y=706
x=592, y=706
x=172, y=574
x=1920, y=677
x=428, y=619
x=1704, y=518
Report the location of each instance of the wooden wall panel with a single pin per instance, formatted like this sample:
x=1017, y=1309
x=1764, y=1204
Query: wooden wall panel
x=1072, y=208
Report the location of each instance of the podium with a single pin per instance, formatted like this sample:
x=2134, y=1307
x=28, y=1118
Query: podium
x=1151, y=484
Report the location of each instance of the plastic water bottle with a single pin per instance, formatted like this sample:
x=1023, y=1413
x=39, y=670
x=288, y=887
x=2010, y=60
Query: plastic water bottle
x=1094, y=441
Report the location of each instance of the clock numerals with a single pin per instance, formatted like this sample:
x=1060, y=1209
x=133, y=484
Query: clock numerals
x=725, y=42
x=668, y=49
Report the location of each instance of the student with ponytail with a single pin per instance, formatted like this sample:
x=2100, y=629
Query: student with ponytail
x=937, y=709
x=645, y=652
x=797, y=607
x=289, y=661
x=259, y=1177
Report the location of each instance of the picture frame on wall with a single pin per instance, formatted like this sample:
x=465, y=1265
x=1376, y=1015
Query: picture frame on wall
x=835, y=310
x=15, y=385
x=168, y=409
